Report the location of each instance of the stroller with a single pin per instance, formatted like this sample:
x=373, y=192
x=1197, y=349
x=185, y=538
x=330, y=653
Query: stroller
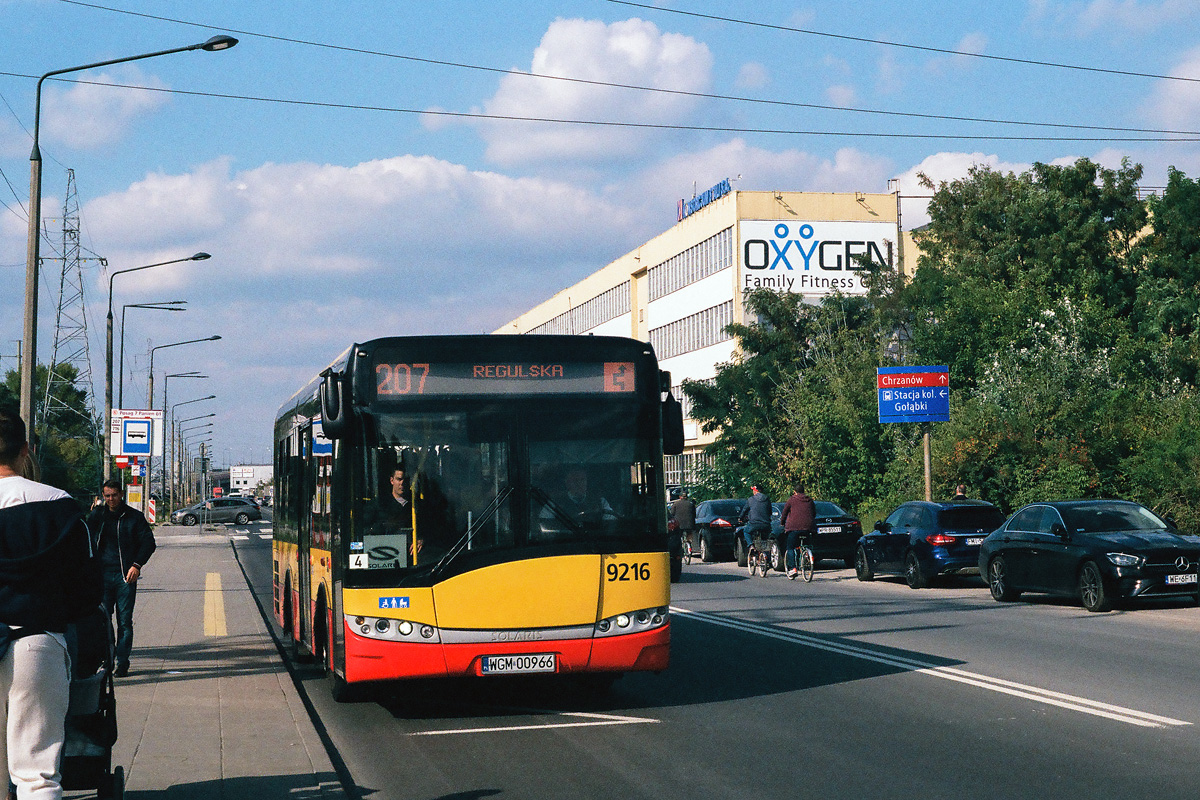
x=92, y=713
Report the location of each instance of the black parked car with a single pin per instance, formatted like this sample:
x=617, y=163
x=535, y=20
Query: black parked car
x=1096, y=550
x=921, y=540
x=716, y=522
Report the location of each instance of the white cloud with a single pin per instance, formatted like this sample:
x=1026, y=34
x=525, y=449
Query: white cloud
x=841, y=95
x=1176, y=104
x=88, y=115
x=1118, y=17
x=972, y=44
x=632, y=52
x=752, y=75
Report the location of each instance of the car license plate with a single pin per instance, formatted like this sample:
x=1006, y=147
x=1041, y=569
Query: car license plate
x=518, y=664
x=975, y=541
x=1175, y=580
x=829, y=529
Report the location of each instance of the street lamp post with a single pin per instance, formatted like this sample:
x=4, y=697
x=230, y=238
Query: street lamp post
x=176, y=467
x=162, y=494
x=150, y=392
x=33, y=244
x=108, y=354
x=164, y=305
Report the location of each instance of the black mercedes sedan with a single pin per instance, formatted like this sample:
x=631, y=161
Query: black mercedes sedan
x=1096, y=550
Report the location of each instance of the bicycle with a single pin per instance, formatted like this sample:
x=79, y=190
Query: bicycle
x=758, y=561
x=805, y=560
x=687, y=549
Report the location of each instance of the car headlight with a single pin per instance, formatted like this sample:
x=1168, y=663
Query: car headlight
x=1124, y=559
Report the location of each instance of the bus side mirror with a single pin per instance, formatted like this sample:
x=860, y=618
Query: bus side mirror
x=672, y=424
x=335, y=408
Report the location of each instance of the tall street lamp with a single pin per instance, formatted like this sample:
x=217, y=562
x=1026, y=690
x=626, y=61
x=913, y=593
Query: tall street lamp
x=150, y=390
x=29, y=344
x=162, y=493
x=175, y=463
x=108, y=354
x=163, y=305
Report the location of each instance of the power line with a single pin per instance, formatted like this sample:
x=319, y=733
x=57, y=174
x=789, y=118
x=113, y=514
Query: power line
x=637, y=87
x=904, y=45
x=1167, y=137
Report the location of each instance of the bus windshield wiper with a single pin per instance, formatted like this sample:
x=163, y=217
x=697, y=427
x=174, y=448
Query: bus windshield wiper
x=464, y=541
x=540, y=495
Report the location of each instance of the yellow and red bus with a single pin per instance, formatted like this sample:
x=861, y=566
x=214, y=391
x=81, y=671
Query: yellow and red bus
x=477, y=506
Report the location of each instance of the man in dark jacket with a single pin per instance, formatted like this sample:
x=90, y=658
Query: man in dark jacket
x=48, y=578
x=757, y=516
x=683, y=511
x=124, y=542
x=799, y=518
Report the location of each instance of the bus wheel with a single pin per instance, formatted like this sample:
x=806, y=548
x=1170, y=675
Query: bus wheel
x=340, y=690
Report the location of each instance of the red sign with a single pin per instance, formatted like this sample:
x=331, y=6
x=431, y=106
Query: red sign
x=903, y=380
x=122, y=461
x=216, y=491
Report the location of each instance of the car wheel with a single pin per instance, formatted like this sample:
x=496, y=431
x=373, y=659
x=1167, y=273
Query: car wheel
x=706, y=553
x=242, y=519
x=739, y=551
x=778, y=559
x=189, y=519
x=912, y=572
x=862, y=567
x=1091, y=588
x=997, y=578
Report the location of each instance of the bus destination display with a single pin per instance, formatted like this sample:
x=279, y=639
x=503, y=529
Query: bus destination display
x=395, y=379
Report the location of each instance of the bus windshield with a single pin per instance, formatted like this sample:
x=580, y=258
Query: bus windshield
x=502, y=476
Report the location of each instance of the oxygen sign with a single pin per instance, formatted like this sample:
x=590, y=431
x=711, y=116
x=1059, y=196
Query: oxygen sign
x=812, y=258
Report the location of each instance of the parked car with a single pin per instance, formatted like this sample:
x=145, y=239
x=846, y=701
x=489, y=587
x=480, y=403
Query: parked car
x=218, y=509
x=922, y=540
x=837, y=535
x=1096, y=550
x=716, y=522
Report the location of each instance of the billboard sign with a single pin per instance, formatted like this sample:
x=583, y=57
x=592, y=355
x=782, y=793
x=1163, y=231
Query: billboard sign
x=812, y=258
x=914, y=394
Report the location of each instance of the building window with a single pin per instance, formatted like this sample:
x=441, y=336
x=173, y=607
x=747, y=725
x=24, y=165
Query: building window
x=591, y=314
x=684, y=469
x=699, y=261
x=694, y=332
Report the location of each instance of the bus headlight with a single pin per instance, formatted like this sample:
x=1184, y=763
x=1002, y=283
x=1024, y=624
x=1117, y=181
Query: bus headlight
x=644, y=619
x=393, y=630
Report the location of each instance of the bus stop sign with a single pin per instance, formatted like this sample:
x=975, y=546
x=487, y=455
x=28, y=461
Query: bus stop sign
x=914, y=394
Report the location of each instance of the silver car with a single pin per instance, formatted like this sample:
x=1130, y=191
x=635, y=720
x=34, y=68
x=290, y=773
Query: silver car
x=218, y=509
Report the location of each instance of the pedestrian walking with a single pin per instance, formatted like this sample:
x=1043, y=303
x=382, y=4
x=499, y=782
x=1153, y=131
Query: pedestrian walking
x=124, y=542
x=49, y=577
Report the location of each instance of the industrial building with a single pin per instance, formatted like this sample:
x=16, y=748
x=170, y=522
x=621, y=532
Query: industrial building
x=679, y=290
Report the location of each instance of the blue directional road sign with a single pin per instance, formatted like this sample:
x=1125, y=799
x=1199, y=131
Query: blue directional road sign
x=914, y=394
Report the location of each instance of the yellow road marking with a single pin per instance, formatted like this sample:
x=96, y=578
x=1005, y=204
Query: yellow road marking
x=214, y=606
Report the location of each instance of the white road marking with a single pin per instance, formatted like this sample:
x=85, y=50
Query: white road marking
x=1038, y=695
x=266, y=536
x=595, y=720
x=240, y=538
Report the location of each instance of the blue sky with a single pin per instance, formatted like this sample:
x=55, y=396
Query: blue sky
x=337, y=211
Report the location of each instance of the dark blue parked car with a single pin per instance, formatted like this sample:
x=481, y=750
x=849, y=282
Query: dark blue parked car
x=921, y=540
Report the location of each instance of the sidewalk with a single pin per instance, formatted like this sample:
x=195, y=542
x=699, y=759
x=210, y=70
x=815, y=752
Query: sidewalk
x=208, y=709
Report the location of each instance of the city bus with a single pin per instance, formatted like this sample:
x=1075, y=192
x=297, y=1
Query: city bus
x=477, y=506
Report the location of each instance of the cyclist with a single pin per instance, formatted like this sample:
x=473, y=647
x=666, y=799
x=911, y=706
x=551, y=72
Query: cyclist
x=799, y=519
x=683, y=511
x=756, y=515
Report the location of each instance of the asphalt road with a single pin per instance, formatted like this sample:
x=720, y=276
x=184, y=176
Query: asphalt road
x=834, y=689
